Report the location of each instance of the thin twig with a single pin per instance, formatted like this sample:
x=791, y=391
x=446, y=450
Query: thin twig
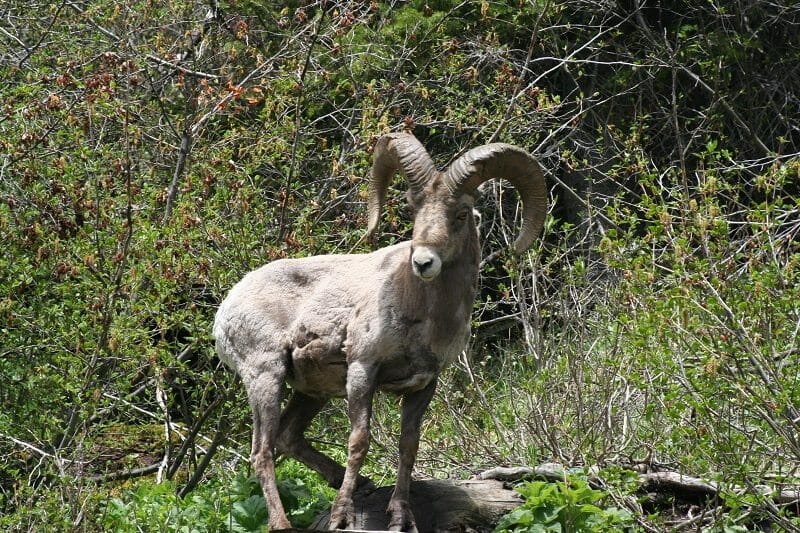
x=162, y=404
x=297, y=117
x=26, y=445
x=125, y=474
x=183, y=153
x=518, y=88
x=219, y=437
x=179, y=68
x=32, y=49
x=728, y=109
x=190, y=437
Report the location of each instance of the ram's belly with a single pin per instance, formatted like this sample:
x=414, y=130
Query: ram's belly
x=318, y=362
x=408, y=373
x=318, y=370
x=408, y=384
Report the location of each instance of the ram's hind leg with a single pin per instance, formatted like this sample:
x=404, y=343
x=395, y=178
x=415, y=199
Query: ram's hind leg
x=265, y=392
x=296, y=417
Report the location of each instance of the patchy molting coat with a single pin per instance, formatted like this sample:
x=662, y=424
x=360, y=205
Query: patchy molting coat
x=348, y=325
x=340, y=308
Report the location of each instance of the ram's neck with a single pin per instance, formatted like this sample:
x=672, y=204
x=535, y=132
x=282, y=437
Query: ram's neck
x=445, y=303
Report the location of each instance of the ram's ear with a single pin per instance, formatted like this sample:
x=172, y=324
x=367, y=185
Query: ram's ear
x=393, y=152
x=478, y=217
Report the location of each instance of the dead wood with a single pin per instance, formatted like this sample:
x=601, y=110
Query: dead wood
x=476, y=505
x=662, y=483
x=674, y=482
x=438, y=505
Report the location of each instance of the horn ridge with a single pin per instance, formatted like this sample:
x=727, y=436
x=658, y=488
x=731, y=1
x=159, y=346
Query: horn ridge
x=393, y=152
x=504, y=161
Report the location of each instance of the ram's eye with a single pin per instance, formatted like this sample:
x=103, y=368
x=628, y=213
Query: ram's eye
x=462, y=216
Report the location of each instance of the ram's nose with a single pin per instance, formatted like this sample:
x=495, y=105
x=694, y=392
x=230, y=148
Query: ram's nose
x=426, y=263
x=423, y=265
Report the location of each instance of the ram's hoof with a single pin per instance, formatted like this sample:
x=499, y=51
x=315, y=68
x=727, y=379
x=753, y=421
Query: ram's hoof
x=343, y=515
x=402, y=519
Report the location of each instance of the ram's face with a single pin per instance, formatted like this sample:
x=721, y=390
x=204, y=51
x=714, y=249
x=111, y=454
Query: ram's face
x=443, y=226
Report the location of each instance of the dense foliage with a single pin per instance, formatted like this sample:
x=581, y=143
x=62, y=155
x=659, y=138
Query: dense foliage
x=153, y=152
x=562, y=506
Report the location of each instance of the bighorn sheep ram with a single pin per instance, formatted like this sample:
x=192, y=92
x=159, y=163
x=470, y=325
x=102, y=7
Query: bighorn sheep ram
x=348, y=325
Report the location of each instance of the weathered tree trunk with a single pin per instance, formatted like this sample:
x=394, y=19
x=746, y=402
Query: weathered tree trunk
x=476, y=505
x=438, y=505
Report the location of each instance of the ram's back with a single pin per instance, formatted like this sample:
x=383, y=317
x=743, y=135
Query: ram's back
x=300, y=309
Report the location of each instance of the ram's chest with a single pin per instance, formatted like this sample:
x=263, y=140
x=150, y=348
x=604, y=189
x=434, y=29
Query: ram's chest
x=419, y=351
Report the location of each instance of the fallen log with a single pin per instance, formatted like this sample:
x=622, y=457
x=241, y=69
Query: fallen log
x=439, y=505
x=476, y=505
x=665, y=482
x=673, y=482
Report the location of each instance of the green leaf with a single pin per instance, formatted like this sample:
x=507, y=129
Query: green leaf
x=249, y=515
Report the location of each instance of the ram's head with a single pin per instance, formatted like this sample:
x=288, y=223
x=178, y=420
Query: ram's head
x=442, y=200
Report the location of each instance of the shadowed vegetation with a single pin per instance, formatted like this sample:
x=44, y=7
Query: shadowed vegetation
x=151, y=153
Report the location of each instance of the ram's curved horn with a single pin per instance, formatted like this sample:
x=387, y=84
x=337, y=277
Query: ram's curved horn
x=392, y=152
x=513, y=164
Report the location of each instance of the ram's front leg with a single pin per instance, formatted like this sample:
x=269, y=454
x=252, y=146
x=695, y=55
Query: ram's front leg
x=360, y=389
x=414, y=406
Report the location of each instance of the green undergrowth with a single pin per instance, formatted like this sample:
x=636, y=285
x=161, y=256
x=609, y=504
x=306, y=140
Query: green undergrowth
x=565, y=506
x=231, y=502
x=229, y=499
x=151, y=153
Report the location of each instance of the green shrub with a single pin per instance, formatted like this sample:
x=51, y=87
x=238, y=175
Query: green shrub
x=225, y=504
x=571, y=506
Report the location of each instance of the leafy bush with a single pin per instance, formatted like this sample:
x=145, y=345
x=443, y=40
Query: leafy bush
x=227, y=504
x=564, y=506
x=153, y=152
